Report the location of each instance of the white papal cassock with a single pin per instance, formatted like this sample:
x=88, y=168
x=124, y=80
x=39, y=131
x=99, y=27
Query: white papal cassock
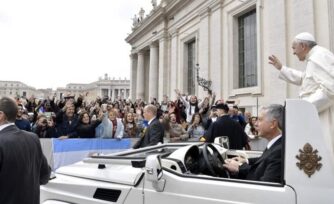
x=317, y=86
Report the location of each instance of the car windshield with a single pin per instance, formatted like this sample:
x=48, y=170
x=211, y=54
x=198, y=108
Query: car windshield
x=163, y=150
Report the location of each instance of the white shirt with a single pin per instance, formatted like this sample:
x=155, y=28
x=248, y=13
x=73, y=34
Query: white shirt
x=5, y=125
x=271, y=142
x=149, y=122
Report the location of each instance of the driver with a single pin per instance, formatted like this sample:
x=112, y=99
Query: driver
x=267, y=167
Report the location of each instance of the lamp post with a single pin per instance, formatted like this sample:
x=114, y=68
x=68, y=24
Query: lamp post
x=206, y=84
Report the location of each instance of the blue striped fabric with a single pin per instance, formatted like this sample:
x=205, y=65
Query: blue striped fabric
x=70, y=145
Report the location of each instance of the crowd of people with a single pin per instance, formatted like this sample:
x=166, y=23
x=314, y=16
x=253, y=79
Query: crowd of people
x=186, y=118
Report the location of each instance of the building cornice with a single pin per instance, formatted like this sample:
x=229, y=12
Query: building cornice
x=215, y=5
x=162, y=13
x=147, y=24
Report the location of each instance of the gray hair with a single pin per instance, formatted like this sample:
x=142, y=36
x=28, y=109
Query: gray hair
x=308, y=43
x=274, y=111
x=152, y=109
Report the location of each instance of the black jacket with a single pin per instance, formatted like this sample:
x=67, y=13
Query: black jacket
x=23, y=167
x=66, y=127
x=87, y=130
x=225, y=126
x=154, y=134
x=264, y=168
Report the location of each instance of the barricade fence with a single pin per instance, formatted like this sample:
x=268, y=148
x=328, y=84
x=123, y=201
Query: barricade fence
x=68, y=151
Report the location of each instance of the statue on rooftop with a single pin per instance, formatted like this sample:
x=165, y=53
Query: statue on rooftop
x=135, y=20
x=141, y=14
x=154, y=3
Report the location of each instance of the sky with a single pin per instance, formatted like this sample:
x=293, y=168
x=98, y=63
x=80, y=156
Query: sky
x=50, y=43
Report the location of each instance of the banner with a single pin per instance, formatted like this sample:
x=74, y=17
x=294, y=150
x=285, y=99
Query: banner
x=69, y=151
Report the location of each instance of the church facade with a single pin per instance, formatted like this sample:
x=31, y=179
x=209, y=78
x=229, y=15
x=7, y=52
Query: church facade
x=226, y=42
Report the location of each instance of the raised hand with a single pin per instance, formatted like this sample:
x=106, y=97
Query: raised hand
x=275, y=62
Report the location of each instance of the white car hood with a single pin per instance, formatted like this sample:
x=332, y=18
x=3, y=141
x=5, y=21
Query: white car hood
x=115, y=173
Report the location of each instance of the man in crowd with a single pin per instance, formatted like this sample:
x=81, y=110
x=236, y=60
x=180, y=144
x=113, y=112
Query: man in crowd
x=67, y=121
x=236, y=116
x=317, y=81
x=268, y=166
x=23, y=167
x=154, y=133
x=225, y=126
x=21, y=122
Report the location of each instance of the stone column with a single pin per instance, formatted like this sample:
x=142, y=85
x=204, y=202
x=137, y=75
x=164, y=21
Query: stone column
x=163, y=74
x=133, y=76
x=174, y=82
x=140, y=76
x=153, y=73
x=112, y=91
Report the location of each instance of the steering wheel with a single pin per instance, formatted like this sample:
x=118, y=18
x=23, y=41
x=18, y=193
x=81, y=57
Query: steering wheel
x=214, y=162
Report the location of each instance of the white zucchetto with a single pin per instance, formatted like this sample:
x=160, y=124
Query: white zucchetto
x=305, y=36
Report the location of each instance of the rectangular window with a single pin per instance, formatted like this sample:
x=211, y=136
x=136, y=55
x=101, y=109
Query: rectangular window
x=191, y=59
x=247, y=50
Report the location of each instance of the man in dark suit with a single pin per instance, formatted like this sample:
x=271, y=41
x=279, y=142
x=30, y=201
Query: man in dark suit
x=225, y=126
x=23, y=167
x=268, y=166
x=154, y=133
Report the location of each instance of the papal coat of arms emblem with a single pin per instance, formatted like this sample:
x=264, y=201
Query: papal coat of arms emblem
x=308, y=160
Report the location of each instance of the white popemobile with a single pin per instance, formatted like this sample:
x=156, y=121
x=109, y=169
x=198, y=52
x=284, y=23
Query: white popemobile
x=174, y=173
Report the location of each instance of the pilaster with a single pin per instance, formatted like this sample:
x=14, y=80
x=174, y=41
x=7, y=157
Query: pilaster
x=140, y=76
x=153, y=73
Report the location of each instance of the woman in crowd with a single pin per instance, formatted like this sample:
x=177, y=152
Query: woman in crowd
x=117, y=124
x=86, y=127
x=176, y=132
x=204, y=110
x=196, y=129
x=130, y=126
x=250, y=128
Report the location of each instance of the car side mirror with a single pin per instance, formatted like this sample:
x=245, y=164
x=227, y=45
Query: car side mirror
x=154, y=172
x=223, y=141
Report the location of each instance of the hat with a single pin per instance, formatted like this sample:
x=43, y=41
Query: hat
x=305, y=36
x=221, y=106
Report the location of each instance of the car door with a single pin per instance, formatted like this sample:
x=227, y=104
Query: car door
x=196, y=189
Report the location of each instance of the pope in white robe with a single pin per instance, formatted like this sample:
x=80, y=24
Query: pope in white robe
x=316, y=82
